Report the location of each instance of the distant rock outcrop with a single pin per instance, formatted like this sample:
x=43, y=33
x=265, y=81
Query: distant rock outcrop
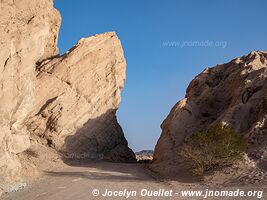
x=234, y=93
x=144, y=155
x=66, y=102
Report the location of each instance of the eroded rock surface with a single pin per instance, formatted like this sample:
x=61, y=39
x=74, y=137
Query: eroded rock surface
x=234, y=93
x=77, y=95
x=65, y=102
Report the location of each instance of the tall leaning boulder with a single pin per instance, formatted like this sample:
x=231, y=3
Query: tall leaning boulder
x=234, y=93
x=77, y=96
x=66, y=102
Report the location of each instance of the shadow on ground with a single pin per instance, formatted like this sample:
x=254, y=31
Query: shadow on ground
x=115, y=172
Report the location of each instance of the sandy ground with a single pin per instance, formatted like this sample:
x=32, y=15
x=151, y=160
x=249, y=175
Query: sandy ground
x=80, y=182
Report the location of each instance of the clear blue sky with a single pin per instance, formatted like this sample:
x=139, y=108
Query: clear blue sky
x=158, y=74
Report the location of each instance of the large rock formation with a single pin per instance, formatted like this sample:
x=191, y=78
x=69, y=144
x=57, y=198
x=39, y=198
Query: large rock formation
x=234, y=93
x=66, y=102
x=77, y=95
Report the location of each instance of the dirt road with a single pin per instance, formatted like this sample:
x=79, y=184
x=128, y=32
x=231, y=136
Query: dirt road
x=80, y=182
x=93, y=181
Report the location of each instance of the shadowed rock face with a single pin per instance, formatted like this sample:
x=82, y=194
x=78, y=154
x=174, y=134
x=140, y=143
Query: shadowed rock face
x=66, y=102
x=234, y=93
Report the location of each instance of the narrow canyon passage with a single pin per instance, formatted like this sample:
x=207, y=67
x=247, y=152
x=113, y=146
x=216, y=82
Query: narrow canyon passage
x=60, y=136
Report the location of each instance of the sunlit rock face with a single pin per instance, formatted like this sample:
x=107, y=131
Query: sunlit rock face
x=66, y=102
x=77, y=95
x=234, y=93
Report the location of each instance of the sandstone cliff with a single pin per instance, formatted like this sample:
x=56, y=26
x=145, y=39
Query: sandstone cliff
x=65, y=102
x=234, y=93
